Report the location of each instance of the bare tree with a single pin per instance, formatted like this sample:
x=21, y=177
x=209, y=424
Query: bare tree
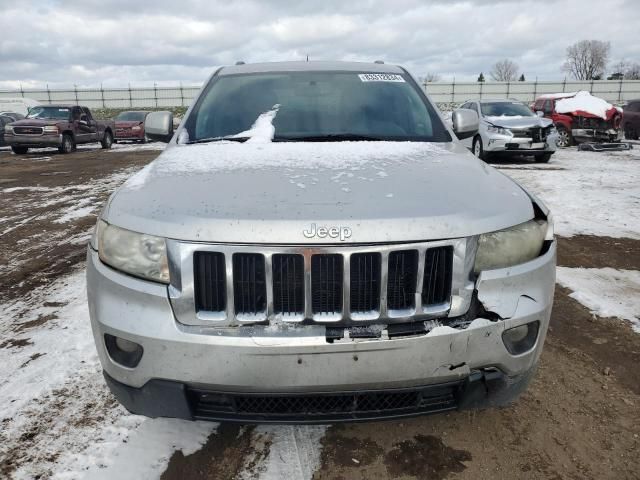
x=504, y=71
x=587, y=59
x=430, y=77
x=632, y=72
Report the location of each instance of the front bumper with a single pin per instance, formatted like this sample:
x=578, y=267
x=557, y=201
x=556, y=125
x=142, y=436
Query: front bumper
x=591, y=134
x=520, y=145
x=33, y=141
x=129, y=134
x=255, y=360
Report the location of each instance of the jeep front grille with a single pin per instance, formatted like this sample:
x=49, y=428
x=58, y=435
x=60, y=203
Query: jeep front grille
x=401, y=286
x=249, y=285
x=341, y=285
x=210, y=279
x=288, y=284
x=326, y=284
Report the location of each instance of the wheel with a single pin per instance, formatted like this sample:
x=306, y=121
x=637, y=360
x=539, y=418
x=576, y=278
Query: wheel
x=107, y=140
x=564, y=138
x=543, y=157
x=68, y=144
x=20, y=150
x=630, y=133
x=478, y=149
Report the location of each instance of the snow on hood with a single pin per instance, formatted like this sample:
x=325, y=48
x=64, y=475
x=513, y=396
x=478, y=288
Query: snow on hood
x=585, y=102
x=270, y=192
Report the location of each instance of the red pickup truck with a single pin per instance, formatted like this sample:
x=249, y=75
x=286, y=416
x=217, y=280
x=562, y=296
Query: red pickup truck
x=62, y=126
x=580, y=117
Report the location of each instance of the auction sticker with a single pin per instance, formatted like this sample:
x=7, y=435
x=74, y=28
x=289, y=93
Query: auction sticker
x=380, y=77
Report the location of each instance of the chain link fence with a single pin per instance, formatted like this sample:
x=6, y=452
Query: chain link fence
x=443, y=93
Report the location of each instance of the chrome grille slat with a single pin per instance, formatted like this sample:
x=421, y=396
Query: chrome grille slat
x=344, y=284
x=403, y=276
x=365, y=282
x=288, y=284
x=249, y=284
x=437, y=276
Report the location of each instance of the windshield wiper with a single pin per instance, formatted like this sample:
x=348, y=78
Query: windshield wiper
x=230, y=138
x=331, y=137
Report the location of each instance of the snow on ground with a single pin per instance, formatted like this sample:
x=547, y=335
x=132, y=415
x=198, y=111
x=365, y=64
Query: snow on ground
x=605, y=291
x=58, y=419
x=589, y=193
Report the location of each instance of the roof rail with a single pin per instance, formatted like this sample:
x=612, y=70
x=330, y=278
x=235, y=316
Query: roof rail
x=239, y=62
x=380, y=62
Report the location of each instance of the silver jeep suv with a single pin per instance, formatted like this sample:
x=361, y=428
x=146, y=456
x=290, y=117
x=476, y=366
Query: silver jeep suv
x=315, y=245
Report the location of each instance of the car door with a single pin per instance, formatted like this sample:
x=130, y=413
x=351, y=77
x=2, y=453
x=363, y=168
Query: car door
x=92, y=125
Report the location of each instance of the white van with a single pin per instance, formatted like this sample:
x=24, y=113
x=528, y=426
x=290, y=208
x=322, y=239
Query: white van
x=17, y=105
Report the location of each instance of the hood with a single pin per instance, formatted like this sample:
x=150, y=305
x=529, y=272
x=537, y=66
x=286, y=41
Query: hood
x=127, y=123
x=271, y=193
x=35, y=122
x=519, y=122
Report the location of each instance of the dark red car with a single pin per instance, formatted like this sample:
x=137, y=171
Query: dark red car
x=580, y=124
x=632, y=119
x=130, y=126
x=62, y=126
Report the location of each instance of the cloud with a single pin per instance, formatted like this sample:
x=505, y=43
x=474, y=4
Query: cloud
x=116, y=42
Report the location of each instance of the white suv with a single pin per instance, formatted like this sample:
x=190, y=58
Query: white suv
x=509, y=127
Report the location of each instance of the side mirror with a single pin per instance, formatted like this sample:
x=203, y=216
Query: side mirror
x=83, y=122
x=465, y=123
x=540, y=113
x=158, y=126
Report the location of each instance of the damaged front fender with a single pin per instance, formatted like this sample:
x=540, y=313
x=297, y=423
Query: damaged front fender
x=500, y=291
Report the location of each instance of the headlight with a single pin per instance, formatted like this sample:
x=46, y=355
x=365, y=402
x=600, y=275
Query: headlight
x=8, y=129
x=134, y=253
x=512, y=246
x=136, y=128
x=50, y=129
x=499, y=130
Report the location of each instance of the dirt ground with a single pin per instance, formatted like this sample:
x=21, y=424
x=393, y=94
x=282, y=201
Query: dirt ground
x=579, y=419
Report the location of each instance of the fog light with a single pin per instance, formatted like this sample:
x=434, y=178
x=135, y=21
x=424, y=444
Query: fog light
x=123, y=351
x=522, y=338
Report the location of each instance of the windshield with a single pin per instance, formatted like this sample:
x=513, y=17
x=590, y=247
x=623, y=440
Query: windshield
x=505, y=109
x=57, y=113
x=132, y=116
x=317, y=106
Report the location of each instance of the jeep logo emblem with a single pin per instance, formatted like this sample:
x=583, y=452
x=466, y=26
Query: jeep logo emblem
x=341, y=233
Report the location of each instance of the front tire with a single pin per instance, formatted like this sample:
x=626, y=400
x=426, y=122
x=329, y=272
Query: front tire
x=478, y=149
x=543, y=157
x=68, y=144
x=564, y=137
x=20, y=150
x=107, y=140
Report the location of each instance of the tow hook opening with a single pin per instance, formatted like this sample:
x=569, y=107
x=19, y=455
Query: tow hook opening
x=522, y=338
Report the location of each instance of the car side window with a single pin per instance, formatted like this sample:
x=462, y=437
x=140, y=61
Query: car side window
x=548, y=107
x=87, y=114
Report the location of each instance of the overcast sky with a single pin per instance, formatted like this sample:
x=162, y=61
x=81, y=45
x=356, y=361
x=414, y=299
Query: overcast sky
x=116, y=42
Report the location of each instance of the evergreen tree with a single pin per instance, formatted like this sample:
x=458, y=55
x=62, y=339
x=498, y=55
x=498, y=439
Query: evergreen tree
x=481, y=77
x=521, y=79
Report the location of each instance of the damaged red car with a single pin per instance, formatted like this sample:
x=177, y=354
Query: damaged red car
x=130, y=126
x=580, y=117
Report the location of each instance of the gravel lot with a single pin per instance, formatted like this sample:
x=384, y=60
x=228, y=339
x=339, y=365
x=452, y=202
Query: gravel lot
x=579, y=419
